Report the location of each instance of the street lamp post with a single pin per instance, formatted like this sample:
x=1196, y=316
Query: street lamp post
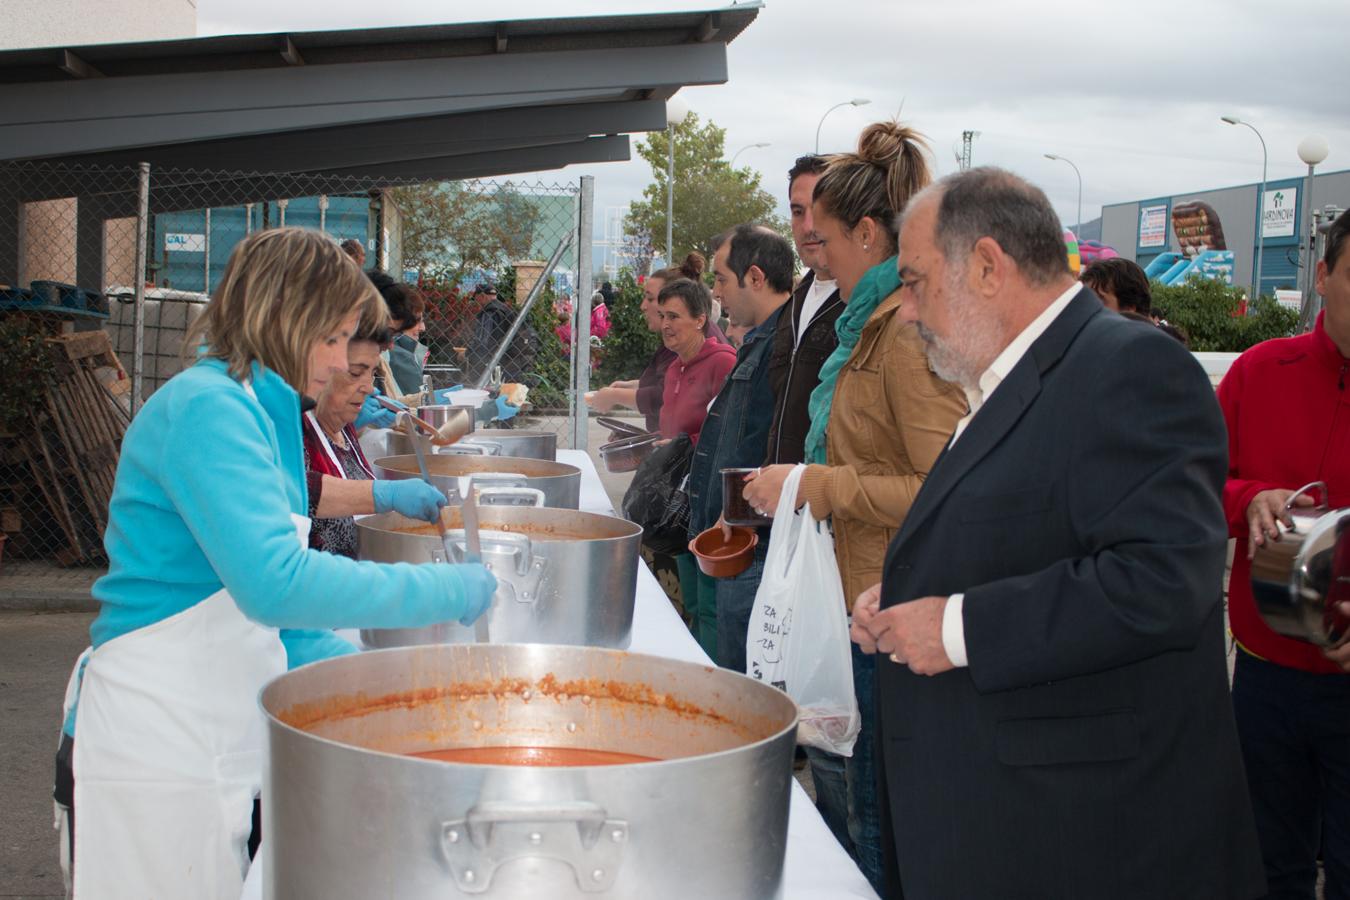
x=1079, y=225
x=1312, y=150
x=676, y=112
x=1260, y=204
x=759, y=146
x=856, y=101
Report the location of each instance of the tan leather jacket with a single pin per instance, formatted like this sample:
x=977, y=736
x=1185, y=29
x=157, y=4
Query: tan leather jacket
x=890, y=418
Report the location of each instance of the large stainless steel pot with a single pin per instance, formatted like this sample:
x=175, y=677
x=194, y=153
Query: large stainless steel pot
x=564, y=577
x=347, y=816
x=1298, y=580
x=492, y=442
x=560, y=483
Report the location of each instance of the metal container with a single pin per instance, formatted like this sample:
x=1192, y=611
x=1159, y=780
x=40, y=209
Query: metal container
x=560, y=483
x=627, y=453
x=563, y=577
x=437, y=416
x=1298, y=580
x=347, y=817
x=492, y=442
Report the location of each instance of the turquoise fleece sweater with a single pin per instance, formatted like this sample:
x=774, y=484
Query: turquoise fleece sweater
x=207, y=479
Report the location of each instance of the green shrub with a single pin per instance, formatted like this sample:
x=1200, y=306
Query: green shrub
x=27, y=373
x=1210, y=314
x=629, y=346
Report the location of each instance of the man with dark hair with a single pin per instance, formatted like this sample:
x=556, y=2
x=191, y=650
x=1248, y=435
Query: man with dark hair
x=353, y=248
x=1288, y=412
x=490, y=329
x=753, y=290
x=1052, y=707
x=804, y=337
x=1120, y=284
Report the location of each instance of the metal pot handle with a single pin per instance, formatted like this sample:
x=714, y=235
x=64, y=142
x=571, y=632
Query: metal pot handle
x=1320, y=486
x=517, y=580
x=473, y=447
x=510, y=496
x=578, y=833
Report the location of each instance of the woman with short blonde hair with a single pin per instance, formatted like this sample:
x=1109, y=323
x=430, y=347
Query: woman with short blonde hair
x=211, y=590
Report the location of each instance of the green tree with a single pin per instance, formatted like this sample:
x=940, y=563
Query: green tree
x=710, y=195
x=454, y=229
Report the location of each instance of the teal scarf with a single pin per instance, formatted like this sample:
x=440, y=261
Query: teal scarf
x=878, y=284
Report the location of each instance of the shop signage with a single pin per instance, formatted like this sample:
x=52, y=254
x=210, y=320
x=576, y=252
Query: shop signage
x=1277, y=212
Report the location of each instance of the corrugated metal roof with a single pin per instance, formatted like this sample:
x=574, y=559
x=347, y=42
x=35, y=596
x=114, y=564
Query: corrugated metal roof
x=278, y=50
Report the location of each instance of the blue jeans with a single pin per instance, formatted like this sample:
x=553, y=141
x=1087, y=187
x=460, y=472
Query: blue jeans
x=1294, y=728
x=735, y=600
x=864, y=798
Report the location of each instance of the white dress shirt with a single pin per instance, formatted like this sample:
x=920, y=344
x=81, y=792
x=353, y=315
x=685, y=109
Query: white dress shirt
x=816, y=295
x=953, y=625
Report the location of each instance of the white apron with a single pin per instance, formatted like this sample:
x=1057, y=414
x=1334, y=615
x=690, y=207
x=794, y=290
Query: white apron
x=169, y=744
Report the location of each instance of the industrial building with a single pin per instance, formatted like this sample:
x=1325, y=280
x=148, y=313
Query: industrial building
x=1225, y=219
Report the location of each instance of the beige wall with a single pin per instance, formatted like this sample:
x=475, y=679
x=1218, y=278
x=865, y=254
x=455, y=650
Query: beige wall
x=70, y=23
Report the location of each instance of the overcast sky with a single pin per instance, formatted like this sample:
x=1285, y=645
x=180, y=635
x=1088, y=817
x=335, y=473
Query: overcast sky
x=1131, y=92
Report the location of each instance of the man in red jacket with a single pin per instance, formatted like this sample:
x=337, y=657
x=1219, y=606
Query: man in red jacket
x=1288, y=415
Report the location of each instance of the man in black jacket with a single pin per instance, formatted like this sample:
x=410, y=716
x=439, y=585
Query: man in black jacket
x=1053, y=711
x=804, y=337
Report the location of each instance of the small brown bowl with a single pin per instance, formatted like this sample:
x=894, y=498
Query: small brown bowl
x=724, y=559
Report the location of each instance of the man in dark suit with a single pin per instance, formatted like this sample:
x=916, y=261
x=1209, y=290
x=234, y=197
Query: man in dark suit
x=1053, y=703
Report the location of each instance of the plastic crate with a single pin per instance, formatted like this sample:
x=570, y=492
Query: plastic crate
x=18, y=298
x=55, y=296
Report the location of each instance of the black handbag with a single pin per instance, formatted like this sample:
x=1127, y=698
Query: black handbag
x=658, y=500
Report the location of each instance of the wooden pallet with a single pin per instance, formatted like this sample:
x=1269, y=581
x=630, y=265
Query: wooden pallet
x=73, y=441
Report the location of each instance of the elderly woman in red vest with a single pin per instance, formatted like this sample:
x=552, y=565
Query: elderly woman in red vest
x=342, y=483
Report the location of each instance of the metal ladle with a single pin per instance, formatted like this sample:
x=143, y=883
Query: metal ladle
x=454, y=429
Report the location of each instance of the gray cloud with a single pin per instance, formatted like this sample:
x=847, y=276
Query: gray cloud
x=1130, y=91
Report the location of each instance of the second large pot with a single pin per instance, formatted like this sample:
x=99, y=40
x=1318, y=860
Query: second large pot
x=559, y=482
x=513, y=442
x=564, y=577
x=348, y=816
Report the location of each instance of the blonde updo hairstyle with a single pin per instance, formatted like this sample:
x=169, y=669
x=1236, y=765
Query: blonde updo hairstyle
x=889, y=167
x=692, y=268
x=283, y=290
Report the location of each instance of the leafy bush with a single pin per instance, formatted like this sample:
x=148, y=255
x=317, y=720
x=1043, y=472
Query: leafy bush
x=1210, y=313
x=629, y=346
x=27, y=373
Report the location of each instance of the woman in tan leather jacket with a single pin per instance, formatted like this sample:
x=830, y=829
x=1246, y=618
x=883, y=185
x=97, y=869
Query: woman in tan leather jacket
x=879, y=419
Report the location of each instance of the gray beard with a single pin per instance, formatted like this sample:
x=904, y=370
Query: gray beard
x=946, y=362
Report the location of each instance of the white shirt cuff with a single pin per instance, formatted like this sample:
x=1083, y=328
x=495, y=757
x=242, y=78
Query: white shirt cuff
x=954, y=631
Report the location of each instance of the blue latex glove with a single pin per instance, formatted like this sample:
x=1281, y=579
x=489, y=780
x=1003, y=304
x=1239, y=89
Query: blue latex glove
x=374, y=414
x=497, y=410
x=443, y=395
x=412, y=497
x=479, y=586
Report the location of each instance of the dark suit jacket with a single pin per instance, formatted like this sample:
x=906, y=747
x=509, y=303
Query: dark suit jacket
x=1089, y=750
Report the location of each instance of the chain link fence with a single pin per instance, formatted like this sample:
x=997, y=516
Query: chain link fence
x=104, y=269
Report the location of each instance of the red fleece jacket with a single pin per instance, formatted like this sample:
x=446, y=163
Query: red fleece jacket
x=1288, y=411
x=691, y=386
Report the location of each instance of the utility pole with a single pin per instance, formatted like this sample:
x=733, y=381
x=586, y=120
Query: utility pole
x=967, y=140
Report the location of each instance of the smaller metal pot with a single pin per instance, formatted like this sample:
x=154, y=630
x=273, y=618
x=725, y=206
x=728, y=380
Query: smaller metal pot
x=736, y=510
x=1298, y=580
x=626, y=454
x=559, y=482
x=438, y=416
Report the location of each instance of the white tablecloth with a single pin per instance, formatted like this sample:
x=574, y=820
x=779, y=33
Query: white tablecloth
x=816, y=868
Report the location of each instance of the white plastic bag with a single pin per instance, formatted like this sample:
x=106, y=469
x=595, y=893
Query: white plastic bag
x=798, y=637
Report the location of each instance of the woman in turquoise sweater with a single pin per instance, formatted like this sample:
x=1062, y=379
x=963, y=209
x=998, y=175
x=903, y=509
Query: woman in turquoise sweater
x=211, y=589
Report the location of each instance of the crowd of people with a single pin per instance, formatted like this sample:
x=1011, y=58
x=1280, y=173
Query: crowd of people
x=1031, y=487
x=1030, y=483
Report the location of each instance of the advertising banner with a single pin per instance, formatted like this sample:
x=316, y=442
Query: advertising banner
x=1153, y=226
